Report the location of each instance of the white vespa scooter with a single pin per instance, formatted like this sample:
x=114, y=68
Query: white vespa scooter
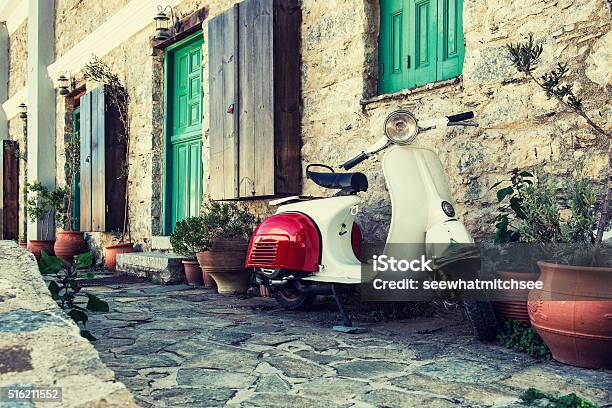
x=311, y=245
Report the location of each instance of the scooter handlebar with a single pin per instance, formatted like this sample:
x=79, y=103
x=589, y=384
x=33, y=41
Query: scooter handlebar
x=461, y=116
x=349, y=164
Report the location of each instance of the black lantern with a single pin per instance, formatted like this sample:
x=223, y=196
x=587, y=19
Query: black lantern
x=23, y=111
x=162, y=29
x=63, y=85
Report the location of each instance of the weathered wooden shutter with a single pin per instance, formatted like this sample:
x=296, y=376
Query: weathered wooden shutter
x=102, y=163
x=394, y=60
x=450, y=39
x=223, y=79
x=85, y=168
x=256, y=93
x=98, y=167
x=423, y=41
x=254, y=82
x=9, y=190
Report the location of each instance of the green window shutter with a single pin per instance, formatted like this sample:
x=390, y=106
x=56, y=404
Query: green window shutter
x=450, y=39
x=423, y=41
x=393, y=69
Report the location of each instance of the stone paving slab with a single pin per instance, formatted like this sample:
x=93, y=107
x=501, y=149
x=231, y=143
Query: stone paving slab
x=193, y=348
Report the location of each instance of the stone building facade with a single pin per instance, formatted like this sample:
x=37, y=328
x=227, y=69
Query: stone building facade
x=341, y=111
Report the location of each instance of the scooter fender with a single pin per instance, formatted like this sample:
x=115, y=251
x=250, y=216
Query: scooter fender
x=442, y=236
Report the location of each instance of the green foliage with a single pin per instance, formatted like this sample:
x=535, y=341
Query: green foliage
x=525, y=56
x=522, y=337
x=190, y=236
x=533, y=396
x=66, y=290
x=42, y=202
x=510, y=199
x=227, y=220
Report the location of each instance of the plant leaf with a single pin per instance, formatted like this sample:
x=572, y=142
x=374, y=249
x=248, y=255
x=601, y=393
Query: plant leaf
x=50, y=264
x=83, y=261
x=503, y=193
x=87, y=334
x=78, y=316
x=95, y=304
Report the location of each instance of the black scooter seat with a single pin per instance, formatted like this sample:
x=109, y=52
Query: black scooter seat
x=349, y=182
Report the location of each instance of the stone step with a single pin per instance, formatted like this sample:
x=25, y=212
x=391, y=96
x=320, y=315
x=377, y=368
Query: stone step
x=157, y=267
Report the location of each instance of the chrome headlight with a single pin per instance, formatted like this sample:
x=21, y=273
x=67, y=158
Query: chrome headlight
x=401, y=127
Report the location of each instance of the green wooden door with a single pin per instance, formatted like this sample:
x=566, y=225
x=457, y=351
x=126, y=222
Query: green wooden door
x=184, y=131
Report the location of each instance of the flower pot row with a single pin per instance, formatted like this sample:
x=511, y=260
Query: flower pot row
x=222, y=267
x=66, y=245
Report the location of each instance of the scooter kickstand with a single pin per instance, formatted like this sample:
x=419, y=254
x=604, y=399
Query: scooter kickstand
x=347, y=326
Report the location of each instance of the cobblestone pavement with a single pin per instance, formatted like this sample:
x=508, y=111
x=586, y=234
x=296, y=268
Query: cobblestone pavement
x=178, y=346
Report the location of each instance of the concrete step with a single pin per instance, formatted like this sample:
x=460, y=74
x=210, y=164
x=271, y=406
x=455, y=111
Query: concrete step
x=160, y=268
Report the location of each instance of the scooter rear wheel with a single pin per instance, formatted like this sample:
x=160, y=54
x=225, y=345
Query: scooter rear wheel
x=483, y=320
x=294, y=299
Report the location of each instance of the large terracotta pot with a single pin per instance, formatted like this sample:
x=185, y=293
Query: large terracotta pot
x=224, y=262
x=193, y=272
x=110, y=258
x=573, y=314
x=23, y=245
x=35, y=246
x=209, y=282
x=68, y=244
x=512, y=304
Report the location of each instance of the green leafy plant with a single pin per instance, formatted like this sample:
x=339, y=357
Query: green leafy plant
x=520, y=336
x=510, y=199
x=526, y=56
x=66, y=290
x=190, y=236
x=533, y=396
x=227, y=220
x=42, y=203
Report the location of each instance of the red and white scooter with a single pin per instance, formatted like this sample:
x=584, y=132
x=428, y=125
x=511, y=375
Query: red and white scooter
x=311, y=245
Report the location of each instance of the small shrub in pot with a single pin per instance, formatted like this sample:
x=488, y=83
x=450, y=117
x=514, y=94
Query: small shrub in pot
x=188, y=237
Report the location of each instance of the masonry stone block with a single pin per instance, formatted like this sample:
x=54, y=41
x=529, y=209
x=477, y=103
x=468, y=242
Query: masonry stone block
x=160, y=268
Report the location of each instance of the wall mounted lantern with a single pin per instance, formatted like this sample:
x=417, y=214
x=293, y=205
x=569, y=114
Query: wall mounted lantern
x=64, y=83
x=23, y=111
x=163, y=31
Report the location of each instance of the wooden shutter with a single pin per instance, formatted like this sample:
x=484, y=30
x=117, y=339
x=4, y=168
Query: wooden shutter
x=450, y=39
x=223, y=101
x=85, y=169
x=393, y=46
x=102, y=164
x=98, y=168
x=256, y=93
x=9, y=190
x=423, y=41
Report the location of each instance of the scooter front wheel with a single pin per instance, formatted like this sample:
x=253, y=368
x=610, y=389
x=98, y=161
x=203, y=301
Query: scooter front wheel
x=292, y=298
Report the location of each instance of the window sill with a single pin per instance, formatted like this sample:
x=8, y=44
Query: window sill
x=412, y=91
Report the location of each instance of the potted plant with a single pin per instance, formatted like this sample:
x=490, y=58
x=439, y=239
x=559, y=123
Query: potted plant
x=512, y=304
x=70, y=241
x=97, y=71
x=222, y=255
x=41, y=205
x=23, y=241
x=572, y=311
x=188, y=236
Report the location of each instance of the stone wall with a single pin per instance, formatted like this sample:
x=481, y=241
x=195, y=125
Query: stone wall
x=41, y=347
x=520, y=127
x=18, y=59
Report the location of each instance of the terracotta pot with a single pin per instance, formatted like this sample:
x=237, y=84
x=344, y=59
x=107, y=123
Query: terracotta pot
x=35, y=246
x=209, y=282
x=573, y=314
x=225, y=264
x=68, y=244
x=512, y=304
x=23, y=245
x=193, y=272
x=110, y=258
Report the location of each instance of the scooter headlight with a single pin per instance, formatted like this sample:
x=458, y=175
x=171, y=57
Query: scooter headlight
x=401, y=127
